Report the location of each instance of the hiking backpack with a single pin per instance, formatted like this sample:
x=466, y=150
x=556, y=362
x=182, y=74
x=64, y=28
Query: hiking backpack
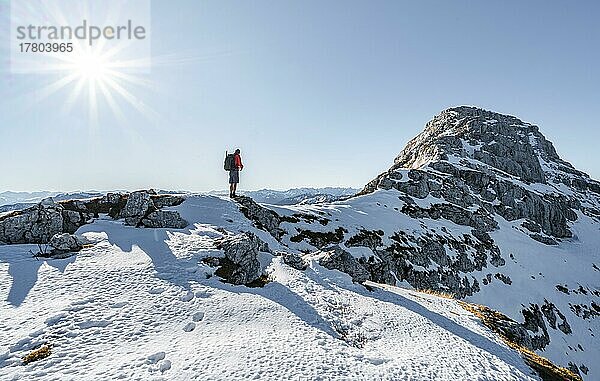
x=229, y=161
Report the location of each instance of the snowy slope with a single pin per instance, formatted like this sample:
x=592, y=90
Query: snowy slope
x=534, y=269
x=140, y=305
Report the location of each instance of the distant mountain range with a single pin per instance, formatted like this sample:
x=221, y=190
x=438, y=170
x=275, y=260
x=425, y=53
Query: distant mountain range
x=19, y=200
x=300, y=195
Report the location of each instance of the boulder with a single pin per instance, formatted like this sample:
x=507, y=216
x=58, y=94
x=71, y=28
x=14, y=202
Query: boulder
x=65, y=243
x=36, y=224
x=241, y=265
x=293, y=260
x=139, y=204
x=336, y=258
x=164, y=219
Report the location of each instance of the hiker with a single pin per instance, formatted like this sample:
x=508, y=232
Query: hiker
x=233, y=164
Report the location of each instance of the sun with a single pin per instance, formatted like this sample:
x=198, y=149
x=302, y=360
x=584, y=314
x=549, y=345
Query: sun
x=98, y=75
x=91, y=66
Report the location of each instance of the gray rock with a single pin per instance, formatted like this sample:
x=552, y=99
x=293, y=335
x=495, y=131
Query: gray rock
x=139, y=204
x=366, y=238
x=534, y=323
x=294, y=260
x=336, y=258
x=48, y=202
x=163, y=200
x=262, y=217
x=241, y=254
x=72, y=220
x=164, y=219
x=113, y=198
x=110, y=204
x=36, y=224
x=64, y=243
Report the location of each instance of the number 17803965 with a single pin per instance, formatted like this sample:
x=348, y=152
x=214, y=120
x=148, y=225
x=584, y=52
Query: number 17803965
x=46, y=47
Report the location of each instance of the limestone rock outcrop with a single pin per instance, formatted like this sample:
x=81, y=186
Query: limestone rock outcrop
x=240, y=264
x=40, y=222
x=336, y=258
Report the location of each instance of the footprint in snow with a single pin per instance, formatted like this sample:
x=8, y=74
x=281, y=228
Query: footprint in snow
x=189, y=327
x=164, y=366
x=21, y=344
x=203, y=294
x=376, y=360
x=187, y=297
x=82, y=301
x=153, y=359
x=55, y=319
x=93, y=324
x=156, y=290
x=198, y=316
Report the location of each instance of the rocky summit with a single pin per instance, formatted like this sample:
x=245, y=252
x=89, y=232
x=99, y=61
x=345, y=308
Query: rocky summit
x=479, y=205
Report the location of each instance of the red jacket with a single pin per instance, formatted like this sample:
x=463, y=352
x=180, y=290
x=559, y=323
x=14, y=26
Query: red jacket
x=237, y=161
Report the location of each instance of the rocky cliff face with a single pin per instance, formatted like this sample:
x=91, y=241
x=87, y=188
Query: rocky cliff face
x=479, y=205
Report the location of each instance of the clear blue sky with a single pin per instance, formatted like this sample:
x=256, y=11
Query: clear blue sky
x=315, y=93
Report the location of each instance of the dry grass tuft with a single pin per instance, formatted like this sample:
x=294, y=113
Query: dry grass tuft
x=37, y=354
x=544, y=367
x=441, y=294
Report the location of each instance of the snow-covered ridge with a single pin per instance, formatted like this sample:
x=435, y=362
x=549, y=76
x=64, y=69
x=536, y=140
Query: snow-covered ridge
x=143, y=304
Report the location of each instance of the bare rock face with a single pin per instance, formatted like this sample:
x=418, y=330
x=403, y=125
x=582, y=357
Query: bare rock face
x=336, y=258
x=502, y=141
x=139, y=204
x=110, y=204
x=37, y=224
x=477, y=165
x=142, y=209
x=241, y=265
x=263, y=218
x=164, y=219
